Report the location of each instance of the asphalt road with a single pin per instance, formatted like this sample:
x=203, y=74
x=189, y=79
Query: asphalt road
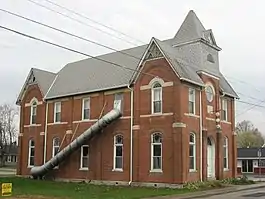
x=256, y=193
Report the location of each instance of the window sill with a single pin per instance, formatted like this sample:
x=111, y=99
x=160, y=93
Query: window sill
x=226, y=169
x=226, y=122
x=193, y=171
x=56, y=123
x=32, y=125
x=118, y=170
x=156, y=171
x=29, y=167
x=83, y=169
x=192, y=115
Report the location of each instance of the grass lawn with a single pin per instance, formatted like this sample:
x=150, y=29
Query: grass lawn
x=30, y=188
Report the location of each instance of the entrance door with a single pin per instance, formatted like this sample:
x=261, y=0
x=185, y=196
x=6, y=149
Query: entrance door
x=247, y=166
x=210, y=158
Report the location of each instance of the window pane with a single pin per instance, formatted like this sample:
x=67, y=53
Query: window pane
x=191, y=95
x=56, y=142
x=56, y=150
x=157, y=163
x=118, y=162
x=85, y=162
x=86, y=103
x=157, y=107
x=118, y=150
x=157, y=150
x=118, y=139
x=34, y=110
x=225, y=163
x=191, y=150
x=86, y=113
x=32, y=152
x=157, y=138
x=191, y=107
x=225, y=152
x=157, y=94
x=192, y=138
x=85, y=151
x=31, y=161
x=118, y=96
x=33, y=119
x=192, y=166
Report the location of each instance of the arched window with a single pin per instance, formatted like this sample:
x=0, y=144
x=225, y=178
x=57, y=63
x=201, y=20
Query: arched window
x=55, y=146
x=118, y=152
x=209, y=90
x=156, y=151
x=192, y=152
x=156, y=98
x=31, y=153
x=33, y=112
x=225, y=153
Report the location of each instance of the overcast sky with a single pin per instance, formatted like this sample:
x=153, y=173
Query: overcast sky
x=237, y=27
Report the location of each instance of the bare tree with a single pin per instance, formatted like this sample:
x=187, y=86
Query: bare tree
x=8, y=129
x=248, y=135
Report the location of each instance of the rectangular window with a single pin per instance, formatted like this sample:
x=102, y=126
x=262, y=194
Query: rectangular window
x=57, y=112
x=157, y=100
x=156, y=152
x=225, y=147
x=118, y=152
x=86, y=109
x=31, y=153
x=118, y=101
x=33, y=117
x=191, y=100
x=224, y=110
x=84, y=157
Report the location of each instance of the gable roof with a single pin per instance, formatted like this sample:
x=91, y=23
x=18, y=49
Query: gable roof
x=116, y=69
x=43, y=78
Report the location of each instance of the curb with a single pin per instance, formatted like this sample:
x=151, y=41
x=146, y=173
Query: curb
x=221, y=191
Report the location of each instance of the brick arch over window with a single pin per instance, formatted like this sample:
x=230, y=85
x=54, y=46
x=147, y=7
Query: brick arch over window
x=156, y=80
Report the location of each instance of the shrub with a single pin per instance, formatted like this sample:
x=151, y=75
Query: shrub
x=238, y=181
x=202, y=185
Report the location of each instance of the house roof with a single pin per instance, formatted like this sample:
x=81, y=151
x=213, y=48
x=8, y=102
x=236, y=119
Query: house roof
x=43, y=78
x=249, y=152
x=93, y=74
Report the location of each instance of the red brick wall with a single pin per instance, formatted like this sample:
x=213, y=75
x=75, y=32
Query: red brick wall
x=175, y=143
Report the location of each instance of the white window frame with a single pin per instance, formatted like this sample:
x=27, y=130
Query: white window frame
x=57, y=104
x=55, y=146
x=160, y=89
x=33, y=106
x=193, y=144
x=226, y=154
x=82, y=156
x=152, y=152
x=29, y=152
x=83, y=108
x=224, y=109
x=114, y=153
x=192, y=99
x=118, y=101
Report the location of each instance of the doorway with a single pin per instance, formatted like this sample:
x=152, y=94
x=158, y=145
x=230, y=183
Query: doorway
x=210, y=158
x=247, y=166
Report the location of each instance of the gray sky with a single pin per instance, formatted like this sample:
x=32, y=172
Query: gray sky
x=235, y=24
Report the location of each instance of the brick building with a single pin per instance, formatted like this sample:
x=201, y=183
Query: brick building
x=177, y=121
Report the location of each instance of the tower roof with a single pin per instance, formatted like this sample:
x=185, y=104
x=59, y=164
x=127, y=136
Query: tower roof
x=191, y=29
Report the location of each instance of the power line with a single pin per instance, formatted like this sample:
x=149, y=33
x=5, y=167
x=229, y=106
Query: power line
x=81, y=22
x=65, y=32
x=94, y=21
x=97, y=58
x=88, y=40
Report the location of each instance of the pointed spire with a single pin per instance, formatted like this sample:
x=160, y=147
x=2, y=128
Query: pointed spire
x=190, y=29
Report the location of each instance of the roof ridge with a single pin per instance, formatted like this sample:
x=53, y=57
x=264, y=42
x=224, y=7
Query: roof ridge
x=42, y=70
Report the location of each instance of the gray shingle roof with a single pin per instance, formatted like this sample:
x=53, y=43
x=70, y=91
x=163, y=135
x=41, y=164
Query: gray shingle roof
x=249, y=153
x=43, y=78
x=91, y=75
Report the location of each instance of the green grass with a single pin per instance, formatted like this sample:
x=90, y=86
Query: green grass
x=22, y=186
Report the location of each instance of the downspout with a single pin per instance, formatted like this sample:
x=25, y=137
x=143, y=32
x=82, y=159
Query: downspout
x=131, y=138
x=45, y=134
x=201, y=140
